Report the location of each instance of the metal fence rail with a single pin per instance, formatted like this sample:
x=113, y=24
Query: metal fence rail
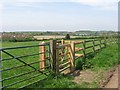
x=12, y=78
x=19, y=71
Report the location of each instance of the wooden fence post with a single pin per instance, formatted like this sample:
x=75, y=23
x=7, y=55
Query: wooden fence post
x=53, y=54
x=42, y=56
x=93, y=45
x=100, y=44
x=105, y=42
x=72, y=49
x=63, y=49
x=116, y=39
x=84, y=49
x=62, y=41
x=57, y=59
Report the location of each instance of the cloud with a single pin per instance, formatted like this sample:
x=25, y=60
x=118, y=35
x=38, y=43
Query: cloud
x=96, y=3
x=87, y=2
x=103, y=4
x=43, y=1
x=1, y=6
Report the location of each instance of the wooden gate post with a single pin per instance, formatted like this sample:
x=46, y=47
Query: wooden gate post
x=63, y=49
x=57, y=59
x=62, y=41
x=42, y=56
x=53, y=54
x=72, y=53
x=84, y=48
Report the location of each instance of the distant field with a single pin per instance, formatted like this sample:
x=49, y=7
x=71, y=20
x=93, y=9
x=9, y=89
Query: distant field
x=51, y=37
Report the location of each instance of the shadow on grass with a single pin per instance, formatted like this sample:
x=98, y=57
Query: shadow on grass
x=62, y=81
x=84, y=63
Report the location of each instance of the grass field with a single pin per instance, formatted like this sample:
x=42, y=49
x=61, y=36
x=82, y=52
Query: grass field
x=98, y=63
x=102, y=61
x=14, y=63
x=105, y=59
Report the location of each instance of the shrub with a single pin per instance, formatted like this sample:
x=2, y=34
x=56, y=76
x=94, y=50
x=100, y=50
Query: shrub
x=67, y=36
x=79, y=63
x=12, y=37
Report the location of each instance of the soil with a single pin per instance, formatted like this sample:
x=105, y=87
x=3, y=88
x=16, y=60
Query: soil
x=87, y=76
x=110, y=77
x=113, y=83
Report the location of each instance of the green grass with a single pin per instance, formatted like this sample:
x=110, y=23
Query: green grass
x=104, y=59
x=62, y=82
x=57, y=82
x=15, y=62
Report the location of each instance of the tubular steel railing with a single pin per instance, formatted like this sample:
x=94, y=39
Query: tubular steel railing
x=21, y=73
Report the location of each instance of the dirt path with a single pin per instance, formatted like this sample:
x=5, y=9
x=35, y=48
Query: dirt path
x=110, y=77
x=113, y=83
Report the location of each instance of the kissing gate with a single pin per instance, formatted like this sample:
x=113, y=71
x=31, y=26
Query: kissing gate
x=61, y=56
x=64, y=54
x=19, y=71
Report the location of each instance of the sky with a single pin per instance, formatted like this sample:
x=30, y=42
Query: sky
x=58, y=15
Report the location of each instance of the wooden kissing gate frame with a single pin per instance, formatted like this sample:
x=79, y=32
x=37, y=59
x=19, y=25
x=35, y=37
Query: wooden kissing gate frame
x=63, y=54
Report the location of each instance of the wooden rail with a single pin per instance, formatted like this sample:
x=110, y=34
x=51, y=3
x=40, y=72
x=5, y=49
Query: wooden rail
x=56, y=56
x=65, y=53
x=85, y=47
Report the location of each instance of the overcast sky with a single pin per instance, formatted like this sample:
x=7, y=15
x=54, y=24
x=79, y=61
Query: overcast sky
x=58, y=15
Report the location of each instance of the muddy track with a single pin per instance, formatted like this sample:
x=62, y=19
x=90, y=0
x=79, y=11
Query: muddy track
x=113, y=79
x=113, y=83
x=110, y=78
